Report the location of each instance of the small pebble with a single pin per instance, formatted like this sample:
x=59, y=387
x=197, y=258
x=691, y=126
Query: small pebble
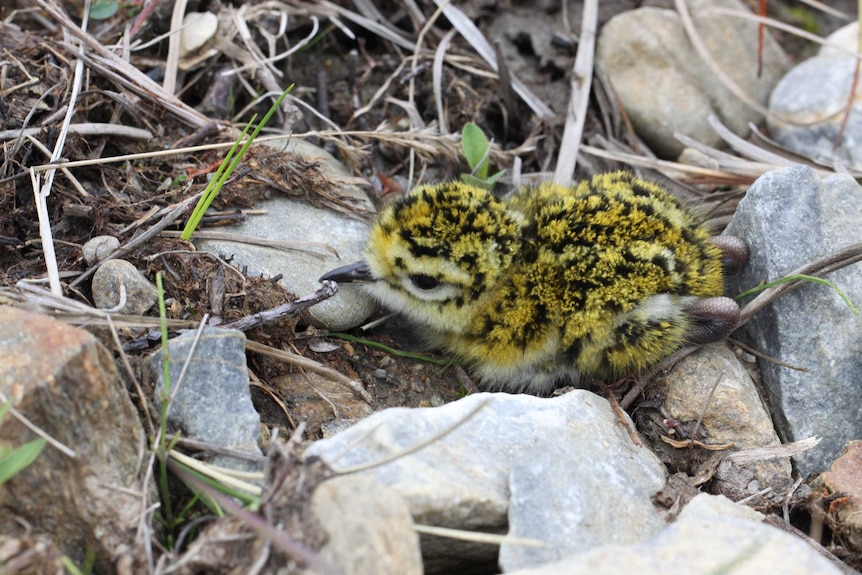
x=99, y=248
x=198, y=29
x=140, y=293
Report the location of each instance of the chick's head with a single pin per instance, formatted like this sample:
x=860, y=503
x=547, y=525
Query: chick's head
x=438, y=251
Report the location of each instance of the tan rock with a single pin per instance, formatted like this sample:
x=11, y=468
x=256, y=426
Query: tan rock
x=65, y=383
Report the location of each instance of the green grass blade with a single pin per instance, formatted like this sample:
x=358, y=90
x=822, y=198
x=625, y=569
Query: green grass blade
x=392, y=350
x=803, y=277
x=228, y=165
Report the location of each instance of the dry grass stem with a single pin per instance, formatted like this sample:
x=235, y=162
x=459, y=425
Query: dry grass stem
x=477, y=537
x=311, y=365
x=779, y=25
x=477, y=40
x=174, y=42
x=773, y=451
x=581, y=86
x=228, y=477
x=88, y=129
x=306, y=248
x=706, y=57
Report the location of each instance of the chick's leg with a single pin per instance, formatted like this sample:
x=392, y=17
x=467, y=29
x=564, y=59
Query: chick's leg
x=734, y=252
x=713, y=319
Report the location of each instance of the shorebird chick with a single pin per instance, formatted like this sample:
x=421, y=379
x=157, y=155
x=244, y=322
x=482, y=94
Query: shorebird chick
x=553, y=285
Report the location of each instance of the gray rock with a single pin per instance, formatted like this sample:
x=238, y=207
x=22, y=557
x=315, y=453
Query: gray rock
x=96, y=249
x=734, y=415
x=788, y=218
x=368, y=526
x=813, y=94
x=554, y=497
x=462, y=479
x=664, y=85
x=711, y=535
x=140, y=293
x=291, y=220
x=842, y=41
x=212, y=403
x=64, y=382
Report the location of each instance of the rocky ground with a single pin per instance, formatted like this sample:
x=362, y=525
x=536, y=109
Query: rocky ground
x=332, y=448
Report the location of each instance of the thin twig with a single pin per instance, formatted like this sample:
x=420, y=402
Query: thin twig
x=248, y=322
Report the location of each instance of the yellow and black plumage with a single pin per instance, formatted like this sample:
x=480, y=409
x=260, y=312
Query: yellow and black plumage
x=553, y=284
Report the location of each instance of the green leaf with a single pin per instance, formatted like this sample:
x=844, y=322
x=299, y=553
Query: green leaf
x=19, y=458
x=474, y=181
x=493, y=179
x=102, y=9
x=475, y=145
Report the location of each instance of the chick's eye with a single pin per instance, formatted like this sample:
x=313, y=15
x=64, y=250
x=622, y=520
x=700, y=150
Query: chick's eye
x=424, y=282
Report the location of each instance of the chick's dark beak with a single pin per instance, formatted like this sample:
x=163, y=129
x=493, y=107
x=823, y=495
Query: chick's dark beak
x=356, y=272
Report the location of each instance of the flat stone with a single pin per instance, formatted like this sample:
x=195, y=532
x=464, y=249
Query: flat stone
x=808, y=106
x=212, y=403
x=733, y=414
x=369, y=528
x=567, y=515
x=808, y=103
x=96, y=249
